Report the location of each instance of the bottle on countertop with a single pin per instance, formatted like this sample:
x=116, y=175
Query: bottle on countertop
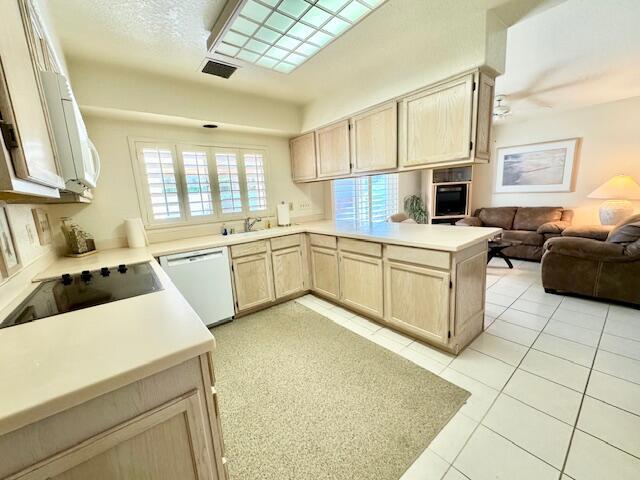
x=224, y=230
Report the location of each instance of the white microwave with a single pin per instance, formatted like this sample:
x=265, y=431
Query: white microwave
x=78, y=157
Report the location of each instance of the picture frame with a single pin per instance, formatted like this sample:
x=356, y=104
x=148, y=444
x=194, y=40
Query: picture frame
x=537, y=167
x=9, y=258
x=43, y=226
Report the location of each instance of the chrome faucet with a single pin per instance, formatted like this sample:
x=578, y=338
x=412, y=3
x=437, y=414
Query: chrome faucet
x=250, y=222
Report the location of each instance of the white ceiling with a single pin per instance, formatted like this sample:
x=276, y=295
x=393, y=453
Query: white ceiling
x=579, y=53
x=169, y=37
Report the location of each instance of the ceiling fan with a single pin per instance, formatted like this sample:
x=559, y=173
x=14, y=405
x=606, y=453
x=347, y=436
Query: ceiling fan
x=501, y=110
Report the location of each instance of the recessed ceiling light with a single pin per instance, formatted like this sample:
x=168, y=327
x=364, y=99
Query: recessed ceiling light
x=282, y=34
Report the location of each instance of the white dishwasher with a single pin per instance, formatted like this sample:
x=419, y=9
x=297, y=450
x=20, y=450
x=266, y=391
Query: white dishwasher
x=204, y=279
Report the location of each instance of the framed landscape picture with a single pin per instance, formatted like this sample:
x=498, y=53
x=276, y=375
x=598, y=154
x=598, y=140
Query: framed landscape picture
x=9, y=261
x=539, y=167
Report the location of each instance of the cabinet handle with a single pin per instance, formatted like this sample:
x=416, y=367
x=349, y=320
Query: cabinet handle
x=8, y=135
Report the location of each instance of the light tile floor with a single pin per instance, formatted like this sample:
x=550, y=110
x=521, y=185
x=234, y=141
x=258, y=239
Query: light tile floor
x=554, y=382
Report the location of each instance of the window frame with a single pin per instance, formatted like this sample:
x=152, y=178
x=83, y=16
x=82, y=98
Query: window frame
x=177, y=148
x=397, y=203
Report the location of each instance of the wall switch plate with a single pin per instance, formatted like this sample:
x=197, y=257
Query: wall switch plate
x=291, y=206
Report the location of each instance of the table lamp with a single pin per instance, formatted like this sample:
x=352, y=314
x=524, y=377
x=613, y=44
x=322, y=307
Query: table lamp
x=617, y=191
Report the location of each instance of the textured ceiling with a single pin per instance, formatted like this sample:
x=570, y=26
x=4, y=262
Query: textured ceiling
x=169, y=37
x=582, y=52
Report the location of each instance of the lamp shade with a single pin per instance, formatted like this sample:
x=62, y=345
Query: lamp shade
x=622, y=187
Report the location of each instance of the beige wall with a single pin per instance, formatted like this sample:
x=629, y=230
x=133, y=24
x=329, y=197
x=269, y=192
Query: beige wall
x=610, y=145
x=474, y=39
x=108, y=87
x=116, y=197
x=33, y=256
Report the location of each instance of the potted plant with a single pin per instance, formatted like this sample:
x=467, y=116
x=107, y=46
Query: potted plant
x=414, y=207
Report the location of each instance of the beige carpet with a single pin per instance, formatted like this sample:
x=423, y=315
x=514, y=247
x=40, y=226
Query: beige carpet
x=304, y=398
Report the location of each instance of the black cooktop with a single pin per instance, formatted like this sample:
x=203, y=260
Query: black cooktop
x=83, y=290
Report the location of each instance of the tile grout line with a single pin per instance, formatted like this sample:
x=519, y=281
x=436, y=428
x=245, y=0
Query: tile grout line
x=586, y=386
x=493, y=403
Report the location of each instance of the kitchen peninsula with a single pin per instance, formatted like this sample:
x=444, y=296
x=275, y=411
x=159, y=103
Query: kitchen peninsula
x=425, y=280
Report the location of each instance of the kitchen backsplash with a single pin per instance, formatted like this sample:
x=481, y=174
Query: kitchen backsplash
x=33, y=256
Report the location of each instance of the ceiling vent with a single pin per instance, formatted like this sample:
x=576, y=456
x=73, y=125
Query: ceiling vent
x=219, y=69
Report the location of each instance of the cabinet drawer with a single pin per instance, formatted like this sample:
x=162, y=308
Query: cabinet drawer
x=360, y=246
x=279, y=243
x=419, y=256
x=326, y=241
x=248, y=248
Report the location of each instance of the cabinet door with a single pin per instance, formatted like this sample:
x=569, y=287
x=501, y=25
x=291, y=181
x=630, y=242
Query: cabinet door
x=361, y=283
x=166, y=443
x=303, y=157
x=21, y=102
x=374, y=139
x=436, y=124
x=324, y=271
x=484, y=117
x=253, y=281
x=288, y=271
x=333, y=150
x=417, y=300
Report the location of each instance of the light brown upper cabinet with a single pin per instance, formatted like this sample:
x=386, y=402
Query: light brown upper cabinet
x=334, y=158
x=374, y=139
x=447, y=123
x=303, y=157
x=28, y=152
x=436, y=123
x=484, y=117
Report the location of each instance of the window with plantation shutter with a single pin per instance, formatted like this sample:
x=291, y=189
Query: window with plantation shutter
x=229, y=182
x=160, y=171
x=363, y=200
x=196, y=173
x=181, y=184
x=256, y=183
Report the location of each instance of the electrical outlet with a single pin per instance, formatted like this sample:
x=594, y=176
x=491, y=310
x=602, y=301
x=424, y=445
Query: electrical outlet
x=304, y=204
x=291, y=206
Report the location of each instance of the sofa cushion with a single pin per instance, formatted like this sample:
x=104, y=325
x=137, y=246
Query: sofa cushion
x=524, y=236
x=530, y=218
x=595, y=232
x=626, y=232
x=501, y=217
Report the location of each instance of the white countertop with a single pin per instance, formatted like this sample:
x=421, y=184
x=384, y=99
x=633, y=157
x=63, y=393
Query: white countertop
x=50, y=365
x=54, y=364
x=434, y=237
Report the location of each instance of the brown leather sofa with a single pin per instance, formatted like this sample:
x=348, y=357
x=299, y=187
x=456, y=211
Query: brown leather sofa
x=530, y=225
x=608, y=269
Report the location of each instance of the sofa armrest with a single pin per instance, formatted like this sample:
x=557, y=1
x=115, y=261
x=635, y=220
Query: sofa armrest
x=587, y=248
x=553, y=227
x=469, y=222
x=595, y=232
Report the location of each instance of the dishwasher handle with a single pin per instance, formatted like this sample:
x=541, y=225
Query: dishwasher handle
x=193, y=258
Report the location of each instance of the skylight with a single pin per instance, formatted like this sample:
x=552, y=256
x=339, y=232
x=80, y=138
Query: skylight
x=283, y=34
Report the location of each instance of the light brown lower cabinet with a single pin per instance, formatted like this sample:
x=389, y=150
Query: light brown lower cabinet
x=253, y=280
x=288, y=271
x=163, y=427
x=361, y=283
x=324, y=271
x=417, y=300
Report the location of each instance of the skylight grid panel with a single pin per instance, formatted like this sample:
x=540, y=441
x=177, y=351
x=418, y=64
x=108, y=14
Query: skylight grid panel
x=315, y=23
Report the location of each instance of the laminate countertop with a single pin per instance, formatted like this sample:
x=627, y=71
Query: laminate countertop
x=56, y=363
x=53, y=364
